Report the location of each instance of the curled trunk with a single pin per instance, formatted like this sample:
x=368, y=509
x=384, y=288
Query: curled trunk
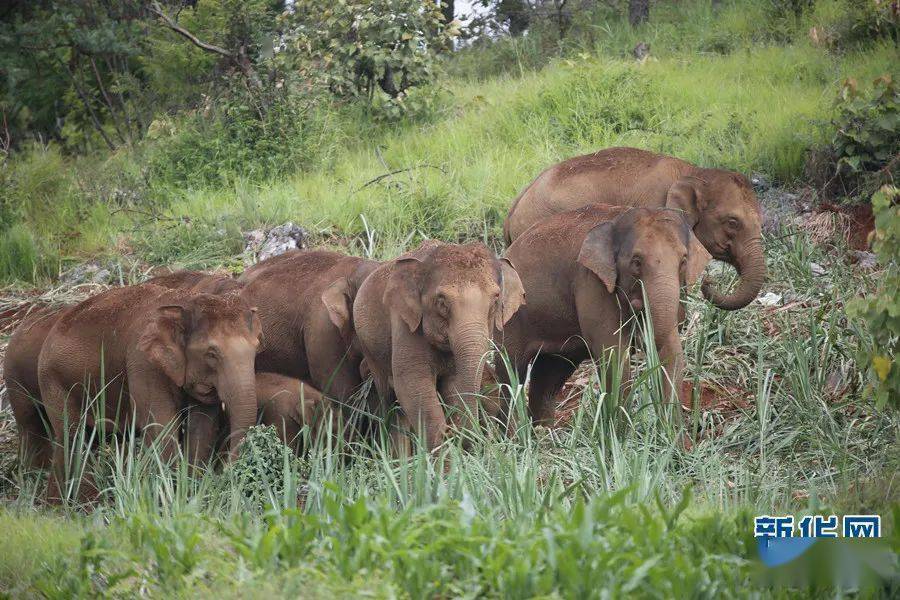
x=751, y=266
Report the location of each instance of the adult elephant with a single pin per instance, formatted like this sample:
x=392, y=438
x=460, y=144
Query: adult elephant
x=425, y=322
x=305, y=301
x=720, y=206
x=586, y=273
x=153, y=346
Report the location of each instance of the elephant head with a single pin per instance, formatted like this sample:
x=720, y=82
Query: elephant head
x=207, y=346
x=653, y=249
x=725, y=216
x=455, y=296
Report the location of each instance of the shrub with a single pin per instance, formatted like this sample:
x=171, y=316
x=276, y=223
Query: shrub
x=263, y=466
x=863, y=153
x=881, y=310
x=236, y=139
x=378, y=50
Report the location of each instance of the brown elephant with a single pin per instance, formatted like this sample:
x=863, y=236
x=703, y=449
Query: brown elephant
x=720, y=205
x=305, y=299
x=154, y=346
x=20, y=370
x=425, y=322
x=288, y=404
x=583, y=273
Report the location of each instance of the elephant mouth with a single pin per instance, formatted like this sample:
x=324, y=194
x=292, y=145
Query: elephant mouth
x=204, y=393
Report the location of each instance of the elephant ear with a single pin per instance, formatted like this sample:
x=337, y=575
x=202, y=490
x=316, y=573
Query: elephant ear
x=598, y=253
x=339, y=303
x=684, y=195
x=255, y=326
x=163, y=341
x=401, y=294
x=698, y=256
x=512, y=294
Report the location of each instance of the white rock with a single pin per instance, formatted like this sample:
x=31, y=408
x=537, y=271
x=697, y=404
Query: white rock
x=769, y=299
x=817, y=269
x=278, y=240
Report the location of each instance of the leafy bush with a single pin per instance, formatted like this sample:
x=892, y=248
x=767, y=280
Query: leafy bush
x=235, y=139
x=382, y=49
x=863, y=153
x=842, y=24
x=263, y=466
x=881, y=310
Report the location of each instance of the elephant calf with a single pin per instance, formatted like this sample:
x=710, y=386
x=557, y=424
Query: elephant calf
x=583, y=272
x=153, y=345
x=424, y=323
x=720, y=205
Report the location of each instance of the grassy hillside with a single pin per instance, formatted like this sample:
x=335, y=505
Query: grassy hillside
x=716, y=90
x=629, y=496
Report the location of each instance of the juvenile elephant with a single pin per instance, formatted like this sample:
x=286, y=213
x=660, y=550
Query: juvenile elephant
x=425, y=321
x=720, y=206
x=582, y=271
x=289, y=404
x=20, y=370
x=305, y=299
x=153, y=345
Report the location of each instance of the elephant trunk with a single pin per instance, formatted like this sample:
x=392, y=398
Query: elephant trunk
x=238, y=395
x=664, y=299
x=470, y=344
x=750, y=262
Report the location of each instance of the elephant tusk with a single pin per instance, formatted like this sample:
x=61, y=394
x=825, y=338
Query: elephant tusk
x=223, y=407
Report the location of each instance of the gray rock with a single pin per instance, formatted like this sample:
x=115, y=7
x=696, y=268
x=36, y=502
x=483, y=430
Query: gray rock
x=760, y=182
x=641, y=51
x=87, y=273
x=260, y=245
x=864, y=260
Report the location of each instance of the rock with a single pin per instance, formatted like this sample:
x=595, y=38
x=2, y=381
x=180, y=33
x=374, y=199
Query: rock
x=641, y=51
x=260, y=245
x=817, y=269
x=864, y=260
x=760, y=182
x=770, y=299
x=87, y=273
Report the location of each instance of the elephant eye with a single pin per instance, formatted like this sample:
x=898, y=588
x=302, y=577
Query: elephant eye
x=636, y=262
x=212, y=353
x=733, y=223
x=442, y=306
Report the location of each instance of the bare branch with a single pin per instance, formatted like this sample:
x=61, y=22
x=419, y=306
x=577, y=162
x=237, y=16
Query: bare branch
x=171, y=24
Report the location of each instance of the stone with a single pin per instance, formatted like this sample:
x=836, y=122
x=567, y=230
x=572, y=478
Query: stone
x=864, y=260
x=260, y=245
x=770, y=299
x=91, y=272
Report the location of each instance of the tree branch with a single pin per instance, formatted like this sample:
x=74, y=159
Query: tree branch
x=171, y=24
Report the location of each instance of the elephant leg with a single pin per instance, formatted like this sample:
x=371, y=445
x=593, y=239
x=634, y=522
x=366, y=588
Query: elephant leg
x=462, y=412
x=548, y=375
x=35, y=447
x=203, y=424
x=68, y=473
x=153, y=401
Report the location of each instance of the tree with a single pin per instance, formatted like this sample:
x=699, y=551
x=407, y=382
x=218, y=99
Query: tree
x=638, y=11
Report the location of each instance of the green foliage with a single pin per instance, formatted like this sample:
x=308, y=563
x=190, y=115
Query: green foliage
x=262, y=468
x=233, y=139
x=382, y=49
x=881, y=309
x=868, y=125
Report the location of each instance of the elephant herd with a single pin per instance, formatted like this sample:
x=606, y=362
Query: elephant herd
x=193, y=359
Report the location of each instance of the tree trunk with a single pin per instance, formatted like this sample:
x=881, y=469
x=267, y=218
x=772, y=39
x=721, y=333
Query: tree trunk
x=638, y=12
